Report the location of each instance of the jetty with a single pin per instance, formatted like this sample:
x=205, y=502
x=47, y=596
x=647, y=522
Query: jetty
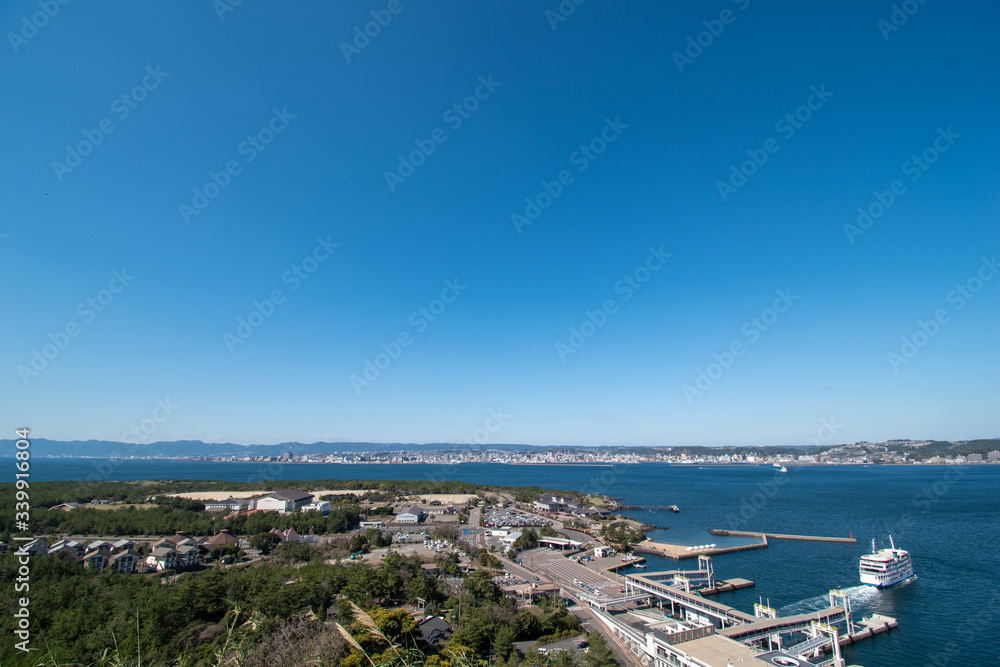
x=682, y=551
x=724, y=586
x=782, y=536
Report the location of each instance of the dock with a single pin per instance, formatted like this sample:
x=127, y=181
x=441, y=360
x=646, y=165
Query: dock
x=726, y=586
x=781, y=536
x=680, y=552
x=875, y=624
x=612, y=563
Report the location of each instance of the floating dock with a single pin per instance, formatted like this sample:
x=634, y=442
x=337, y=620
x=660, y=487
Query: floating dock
x=780, y=536
x=726, y=586
x=875, y=624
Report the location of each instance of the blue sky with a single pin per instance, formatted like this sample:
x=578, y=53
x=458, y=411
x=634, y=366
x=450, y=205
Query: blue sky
x=640, y=123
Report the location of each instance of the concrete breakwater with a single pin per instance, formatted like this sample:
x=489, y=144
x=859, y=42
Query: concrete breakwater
x=780, y=536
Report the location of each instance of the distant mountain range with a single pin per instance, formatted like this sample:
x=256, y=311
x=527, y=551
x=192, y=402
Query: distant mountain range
x=42, y=447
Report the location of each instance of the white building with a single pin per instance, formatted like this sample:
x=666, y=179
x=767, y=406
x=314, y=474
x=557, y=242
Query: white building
x=510, y=538
x=284, y=501
x=409, y=515
x=320, y=506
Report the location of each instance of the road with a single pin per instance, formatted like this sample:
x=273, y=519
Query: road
x=475, y=535
x=567, y=573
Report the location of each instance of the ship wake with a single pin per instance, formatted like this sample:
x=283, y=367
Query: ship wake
x=860, y=596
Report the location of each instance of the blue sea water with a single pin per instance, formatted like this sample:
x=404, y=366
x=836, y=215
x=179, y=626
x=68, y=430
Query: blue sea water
x=947, y=517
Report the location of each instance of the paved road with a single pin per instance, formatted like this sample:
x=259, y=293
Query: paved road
x=475, y=535
x=566, y=573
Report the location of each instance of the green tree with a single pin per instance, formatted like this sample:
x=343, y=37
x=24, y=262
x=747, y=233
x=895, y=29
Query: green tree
x=599, y=654
x=480, y=586
x=266, y=542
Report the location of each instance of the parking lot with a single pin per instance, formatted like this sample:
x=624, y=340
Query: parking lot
x=499, y=517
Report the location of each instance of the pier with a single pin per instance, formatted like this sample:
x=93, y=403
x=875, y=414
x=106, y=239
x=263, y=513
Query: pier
x=781, y=536
x=724, y=586
x=680, y=551
x=666, y=617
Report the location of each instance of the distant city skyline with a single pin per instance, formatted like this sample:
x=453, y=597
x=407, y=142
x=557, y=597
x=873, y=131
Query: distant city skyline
x=740, y=224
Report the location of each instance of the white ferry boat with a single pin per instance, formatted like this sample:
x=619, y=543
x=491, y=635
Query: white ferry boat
x=885, y=567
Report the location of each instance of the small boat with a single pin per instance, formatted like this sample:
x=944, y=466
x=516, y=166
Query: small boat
x=641, y=566
x=673, y=508
x=784, y=469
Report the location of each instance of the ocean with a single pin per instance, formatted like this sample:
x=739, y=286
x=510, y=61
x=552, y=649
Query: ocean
x=948, y=517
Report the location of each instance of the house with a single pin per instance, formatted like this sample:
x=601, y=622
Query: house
x=72, y=547
x=410, y=515
x=66, y=507
x=97, y=545
x=122, y=545
x=36, y=546
x=230, y=504
x=4, y=547
x=124, y=561
x=96, y=560
x=372, y=524
x=284, y=501
x=179, y=539
x=187, y=555
x=162, y=558
x=434, y=630
x=290, y=535
x=221, y=538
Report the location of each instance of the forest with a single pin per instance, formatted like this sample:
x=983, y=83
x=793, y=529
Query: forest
x=275, y=613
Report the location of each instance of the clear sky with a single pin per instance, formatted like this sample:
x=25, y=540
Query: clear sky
x=213, y=154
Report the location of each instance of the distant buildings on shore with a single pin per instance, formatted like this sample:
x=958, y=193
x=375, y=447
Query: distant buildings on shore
x=893, y=452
